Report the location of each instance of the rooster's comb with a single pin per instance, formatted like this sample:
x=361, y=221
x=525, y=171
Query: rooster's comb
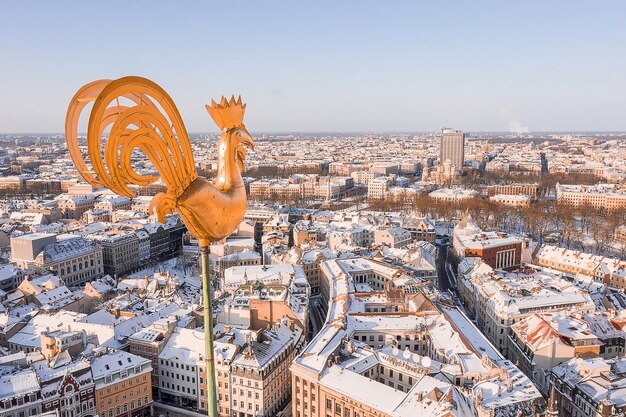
x=227, y=114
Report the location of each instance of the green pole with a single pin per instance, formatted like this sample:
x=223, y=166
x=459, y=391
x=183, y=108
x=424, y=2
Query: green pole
x=208, y=333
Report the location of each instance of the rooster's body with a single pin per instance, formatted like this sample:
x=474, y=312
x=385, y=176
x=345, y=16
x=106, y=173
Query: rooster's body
x=151, y=123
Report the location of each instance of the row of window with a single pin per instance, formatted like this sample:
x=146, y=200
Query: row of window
x=108, y=379
x=178, y=376
x=177, y=365
x=177, y=388
x=126, y=407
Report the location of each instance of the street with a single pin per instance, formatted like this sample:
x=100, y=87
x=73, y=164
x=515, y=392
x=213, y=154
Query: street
x=317, y=316
x=445, y=282
x=166, y=410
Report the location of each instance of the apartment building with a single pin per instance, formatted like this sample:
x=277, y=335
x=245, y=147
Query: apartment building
x=302, y=186
x=120, y=251
x=421, y=228
x=393, y=237
x=512, y=200
x=377, y=188
x=344, y=168
x=224, y=353
x=10, y=277
x=364, y=177
x=178, y=367
x=21, y=394
x=529, y=189
x=15, y=183
x=123, y=384
x=165, y=238
x=610, y=271
x=499, y=250
x=453, y=195
x=600, y=196
x=149, y=342
x=305, y=231
x=499, y=299
x=309, y=259
x=74, y=259
x=263, y=294
x=243, y=258
x=260, y=378
x=280, y=189
x=112, y=203
x=96, y=215
x=67, y=386
x=342, y=235
x=542, y=341
x=73, y=207
x=588, y=387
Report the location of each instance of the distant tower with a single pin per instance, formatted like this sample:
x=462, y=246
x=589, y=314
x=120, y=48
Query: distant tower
x=452, y=147
x=544, y=163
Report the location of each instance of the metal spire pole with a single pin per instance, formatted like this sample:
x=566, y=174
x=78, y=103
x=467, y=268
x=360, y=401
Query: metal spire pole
x=211, y=393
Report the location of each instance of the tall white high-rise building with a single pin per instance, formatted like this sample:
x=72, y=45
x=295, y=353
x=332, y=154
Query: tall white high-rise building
x=452, y=147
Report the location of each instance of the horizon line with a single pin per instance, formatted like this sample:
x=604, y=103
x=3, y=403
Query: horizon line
x=365, y=132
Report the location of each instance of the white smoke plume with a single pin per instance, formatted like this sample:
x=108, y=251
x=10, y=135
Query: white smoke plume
x=516, y=127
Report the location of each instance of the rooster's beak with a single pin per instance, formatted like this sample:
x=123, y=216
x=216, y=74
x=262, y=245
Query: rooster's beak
x=247, y=140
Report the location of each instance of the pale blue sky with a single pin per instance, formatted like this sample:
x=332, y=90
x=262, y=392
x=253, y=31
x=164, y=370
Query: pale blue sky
x=327, y=66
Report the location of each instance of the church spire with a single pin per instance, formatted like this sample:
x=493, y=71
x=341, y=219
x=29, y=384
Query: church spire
x=552, y=408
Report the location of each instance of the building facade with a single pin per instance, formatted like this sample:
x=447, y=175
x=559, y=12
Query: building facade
x=75, y=260
x=452, y=147
x=588, y=387
x=123, y=385
x=120, y=251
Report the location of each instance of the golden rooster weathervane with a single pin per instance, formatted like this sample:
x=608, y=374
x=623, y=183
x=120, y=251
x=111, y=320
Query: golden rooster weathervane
x=142, y=116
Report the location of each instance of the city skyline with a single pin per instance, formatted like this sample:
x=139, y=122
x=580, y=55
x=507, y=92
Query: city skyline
x=348, y=209
x=339, y=68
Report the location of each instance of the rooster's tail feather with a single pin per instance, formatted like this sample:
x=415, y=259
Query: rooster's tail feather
x=147, y=120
